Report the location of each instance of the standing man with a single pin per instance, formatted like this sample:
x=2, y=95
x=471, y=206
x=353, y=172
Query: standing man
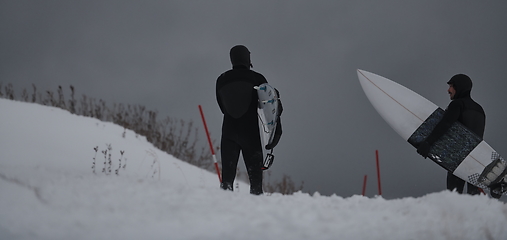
x=238, y=101
x=464, y=110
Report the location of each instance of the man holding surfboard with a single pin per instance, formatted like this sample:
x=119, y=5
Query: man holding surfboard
x=238, y=101
x=464, y=110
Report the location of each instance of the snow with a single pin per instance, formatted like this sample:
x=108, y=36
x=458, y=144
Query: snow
x=48, y=191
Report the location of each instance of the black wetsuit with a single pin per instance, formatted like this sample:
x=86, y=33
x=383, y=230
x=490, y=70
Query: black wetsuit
x=466, y=111
x=238, y=102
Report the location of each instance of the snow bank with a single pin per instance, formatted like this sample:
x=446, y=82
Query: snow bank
x=48, y=191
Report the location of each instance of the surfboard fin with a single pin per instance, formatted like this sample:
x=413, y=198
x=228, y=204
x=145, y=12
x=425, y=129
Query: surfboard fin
x=493, y=173
x=496, y=190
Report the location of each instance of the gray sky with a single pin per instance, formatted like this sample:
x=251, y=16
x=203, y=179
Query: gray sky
x=166, y=55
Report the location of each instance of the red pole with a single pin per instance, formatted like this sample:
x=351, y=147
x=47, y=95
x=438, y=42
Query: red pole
x=210, y=144
x=364, y=184
x=378, y=175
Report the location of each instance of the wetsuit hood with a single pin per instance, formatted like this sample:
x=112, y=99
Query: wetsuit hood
x=240, y=57
x=462, y=84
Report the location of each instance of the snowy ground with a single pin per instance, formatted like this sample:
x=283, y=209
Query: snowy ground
x=48, y=191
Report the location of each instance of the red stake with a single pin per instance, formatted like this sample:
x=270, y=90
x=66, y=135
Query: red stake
x=210, y=144
x=364, y=184
x=378, y=175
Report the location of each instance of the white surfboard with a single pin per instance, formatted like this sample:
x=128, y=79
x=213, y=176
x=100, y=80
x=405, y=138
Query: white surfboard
x=268, y=115
x=413, y=117
x=267, y=111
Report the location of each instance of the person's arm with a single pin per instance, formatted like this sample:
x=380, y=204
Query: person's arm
x=451, y=115
x=219, y=100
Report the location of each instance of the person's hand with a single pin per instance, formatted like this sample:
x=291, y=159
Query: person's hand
x=424, y=149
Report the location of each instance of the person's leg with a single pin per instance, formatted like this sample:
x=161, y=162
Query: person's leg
x=253, y=166
x=472, y=190
x=454, y=182
x=230, y=156
x=252, y=155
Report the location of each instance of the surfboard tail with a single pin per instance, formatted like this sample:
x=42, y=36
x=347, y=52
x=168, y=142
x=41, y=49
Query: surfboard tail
x=494, y=173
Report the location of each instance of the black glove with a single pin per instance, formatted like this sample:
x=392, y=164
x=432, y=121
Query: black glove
x=424, y=149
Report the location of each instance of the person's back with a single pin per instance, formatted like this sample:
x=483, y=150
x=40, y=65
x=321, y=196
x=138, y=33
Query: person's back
x=471, y=114
x=238, y=101
x=236, y=95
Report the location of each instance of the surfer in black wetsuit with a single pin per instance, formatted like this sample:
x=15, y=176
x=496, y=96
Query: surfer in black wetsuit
x=464, y=110
x=238, y=102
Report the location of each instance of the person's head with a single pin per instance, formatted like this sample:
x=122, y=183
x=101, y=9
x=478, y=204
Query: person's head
x=240, y=56
x=460, y=85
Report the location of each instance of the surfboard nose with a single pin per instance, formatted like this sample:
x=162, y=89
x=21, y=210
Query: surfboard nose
x=403, y=109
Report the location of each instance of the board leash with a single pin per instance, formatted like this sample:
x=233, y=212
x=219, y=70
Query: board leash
x=268, y=161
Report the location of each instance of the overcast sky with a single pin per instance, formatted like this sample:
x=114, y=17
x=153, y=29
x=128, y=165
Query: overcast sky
x=167, y=55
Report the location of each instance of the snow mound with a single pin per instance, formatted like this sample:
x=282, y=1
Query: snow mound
x=48, y=191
